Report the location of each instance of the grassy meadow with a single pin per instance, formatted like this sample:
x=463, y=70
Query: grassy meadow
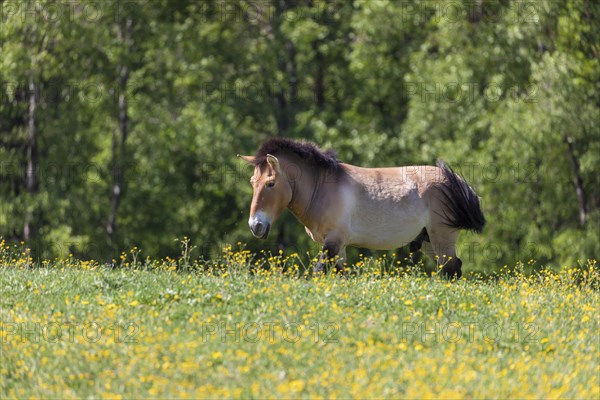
x=236, y=327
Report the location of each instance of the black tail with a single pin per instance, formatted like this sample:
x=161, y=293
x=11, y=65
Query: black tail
x=462, y=203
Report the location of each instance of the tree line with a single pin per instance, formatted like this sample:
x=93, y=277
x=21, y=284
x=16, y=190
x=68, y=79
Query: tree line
x=120, y=121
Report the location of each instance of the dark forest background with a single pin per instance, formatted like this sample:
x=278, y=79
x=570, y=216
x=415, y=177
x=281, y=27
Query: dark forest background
x=120, y=121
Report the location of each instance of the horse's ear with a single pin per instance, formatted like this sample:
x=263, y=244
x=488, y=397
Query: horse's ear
x=248, y=159
x=273, y=162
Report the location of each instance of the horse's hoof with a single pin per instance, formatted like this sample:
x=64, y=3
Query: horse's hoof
x=319, y=270
x=452, y=269
x=451, y=275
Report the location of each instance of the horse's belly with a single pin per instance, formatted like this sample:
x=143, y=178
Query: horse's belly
x=388, y=226
x=387, y=238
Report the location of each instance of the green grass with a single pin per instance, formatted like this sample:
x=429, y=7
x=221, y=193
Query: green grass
x=73, y=329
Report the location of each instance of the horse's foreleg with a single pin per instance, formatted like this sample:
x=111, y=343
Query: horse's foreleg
x=427, y=249
x=330, y=250
x=340, y=266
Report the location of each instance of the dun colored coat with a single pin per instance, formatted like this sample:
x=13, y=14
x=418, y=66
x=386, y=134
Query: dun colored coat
x=377, y=208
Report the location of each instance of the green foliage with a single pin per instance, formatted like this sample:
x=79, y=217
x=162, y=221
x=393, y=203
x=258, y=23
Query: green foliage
x=506, y=92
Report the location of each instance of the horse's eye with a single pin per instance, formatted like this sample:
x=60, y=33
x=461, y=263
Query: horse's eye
x=270, y=184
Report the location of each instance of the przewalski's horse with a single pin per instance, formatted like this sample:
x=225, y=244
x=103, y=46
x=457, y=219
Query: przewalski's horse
x=376, y=208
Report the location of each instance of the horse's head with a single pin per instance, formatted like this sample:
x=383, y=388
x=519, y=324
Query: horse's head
x=272, y=194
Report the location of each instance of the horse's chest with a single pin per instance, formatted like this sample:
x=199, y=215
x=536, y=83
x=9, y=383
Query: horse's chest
x=314, y=237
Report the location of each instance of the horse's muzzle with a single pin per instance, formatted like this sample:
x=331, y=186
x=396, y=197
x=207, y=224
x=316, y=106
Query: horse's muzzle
x=259, y=229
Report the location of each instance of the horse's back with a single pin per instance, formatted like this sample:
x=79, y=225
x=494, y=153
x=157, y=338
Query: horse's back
x=389, y=206
x=393, y=183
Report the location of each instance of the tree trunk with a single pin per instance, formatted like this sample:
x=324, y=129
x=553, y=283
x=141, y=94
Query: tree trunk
x=320, y=76
x=285, y=98
x=292, y=79
x=280, y=243
x=119, y=138
x=475, y=13
x=280, y=113
x=31, y=173
x=577, y=182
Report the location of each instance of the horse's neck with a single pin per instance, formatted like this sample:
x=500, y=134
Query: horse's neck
x=305, y=189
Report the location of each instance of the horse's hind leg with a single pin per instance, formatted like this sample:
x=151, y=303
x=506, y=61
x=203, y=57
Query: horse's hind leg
x=452, y=268
x=416, y=244
x=443, y=242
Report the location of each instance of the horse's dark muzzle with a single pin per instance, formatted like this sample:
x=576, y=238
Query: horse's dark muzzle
x=260, y=230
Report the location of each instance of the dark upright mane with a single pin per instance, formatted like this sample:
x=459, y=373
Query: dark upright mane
x=305, y=150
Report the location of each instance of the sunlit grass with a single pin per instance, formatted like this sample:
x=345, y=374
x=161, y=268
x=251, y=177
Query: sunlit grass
x=247, y=325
